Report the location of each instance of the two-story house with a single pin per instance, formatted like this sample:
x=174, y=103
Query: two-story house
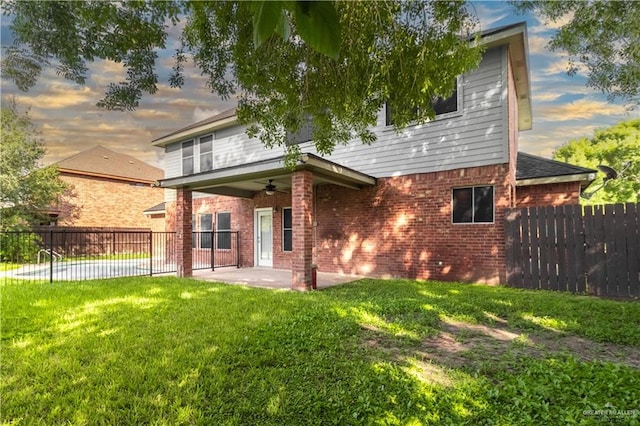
x=425, y=203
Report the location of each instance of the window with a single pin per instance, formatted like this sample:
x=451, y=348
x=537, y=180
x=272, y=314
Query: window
x=223, y=226
x=440, y=106
x=472, y=205
x=206, y=226
x=201, y=228
x=206, y=153
x=304, y=134
x=287, y=229
x=187, y=158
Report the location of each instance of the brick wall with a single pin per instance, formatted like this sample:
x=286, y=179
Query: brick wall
x=401, y=227
x=102, y=202
x=553, y=194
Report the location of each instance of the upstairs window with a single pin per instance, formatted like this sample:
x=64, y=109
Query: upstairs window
x=473, y=204
x=304, y=134
x=206, y=153
x=223, y=226
x=440, y=105
x=187, y=158
x=287, y=229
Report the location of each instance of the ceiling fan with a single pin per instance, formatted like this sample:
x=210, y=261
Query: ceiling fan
x=271, y=189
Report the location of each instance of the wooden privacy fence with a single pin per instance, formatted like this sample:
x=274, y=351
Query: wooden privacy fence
x=595, y=251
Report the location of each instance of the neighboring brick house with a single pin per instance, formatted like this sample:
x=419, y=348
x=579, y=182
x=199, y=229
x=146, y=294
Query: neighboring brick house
x=427, y=203
x=108, y=189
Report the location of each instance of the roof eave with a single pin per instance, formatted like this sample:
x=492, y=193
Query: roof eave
x=104, y=176
x=329, y=171
x=195, y=131
x=583, y=178
x=515, y=36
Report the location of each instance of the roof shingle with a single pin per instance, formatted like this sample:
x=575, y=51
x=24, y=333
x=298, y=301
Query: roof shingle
x=531, y=167
x=105, y=162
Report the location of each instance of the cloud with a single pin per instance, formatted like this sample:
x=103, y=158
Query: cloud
x=59, y=96
x=200, y=114
x=538, y=45
x=487, y=15
x=547, y=97
x=547, y=139
x=548, y=25
x=581, y=109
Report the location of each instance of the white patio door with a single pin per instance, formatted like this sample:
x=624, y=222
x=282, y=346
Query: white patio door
x=264, y=237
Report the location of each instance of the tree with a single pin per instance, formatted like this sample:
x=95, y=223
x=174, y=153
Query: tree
x=603, y=36
x=617, y=147
x=26, y=189
x=397, y=52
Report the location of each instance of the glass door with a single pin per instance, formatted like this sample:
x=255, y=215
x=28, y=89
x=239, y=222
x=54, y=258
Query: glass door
x=264, y=237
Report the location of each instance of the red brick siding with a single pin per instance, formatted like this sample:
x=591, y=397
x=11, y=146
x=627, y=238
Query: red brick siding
x=553, y=194
x=302, y=221
x=102, y=202
x=402, y=228
x=184, y=238
x=242, y=220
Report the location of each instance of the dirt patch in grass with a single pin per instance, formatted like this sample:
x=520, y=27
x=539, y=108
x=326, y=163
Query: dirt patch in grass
x=468, y=345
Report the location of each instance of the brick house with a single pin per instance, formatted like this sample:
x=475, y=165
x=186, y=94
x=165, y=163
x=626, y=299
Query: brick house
x=426, y=203
x=108, y=189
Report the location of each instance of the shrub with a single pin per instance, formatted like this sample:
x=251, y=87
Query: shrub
x=19, y=247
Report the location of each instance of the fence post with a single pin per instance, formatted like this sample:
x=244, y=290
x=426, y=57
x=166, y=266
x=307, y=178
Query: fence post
x=213, y=250
x=238, y=249
x=150, y=253
x=50, y=256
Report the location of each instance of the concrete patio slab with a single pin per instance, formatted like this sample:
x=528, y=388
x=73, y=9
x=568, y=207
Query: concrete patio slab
x=267, y=277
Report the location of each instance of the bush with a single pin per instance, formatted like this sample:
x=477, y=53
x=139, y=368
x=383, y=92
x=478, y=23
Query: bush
x=19, y=247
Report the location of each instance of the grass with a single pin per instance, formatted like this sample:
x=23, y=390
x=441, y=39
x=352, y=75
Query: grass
x=177, y=351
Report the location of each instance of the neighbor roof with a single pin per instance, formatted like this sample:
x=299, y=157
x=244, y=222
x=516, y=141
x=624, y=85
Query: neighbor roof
x=103, y=162
x=531, y=169
x=158, y=208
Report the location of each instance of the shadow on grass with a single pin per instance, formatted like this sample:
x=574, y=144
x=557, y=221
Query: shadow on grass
x=181, y=351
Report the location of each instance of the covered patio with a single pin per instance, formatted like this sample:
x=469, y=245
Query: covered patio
x=277, y=279
x=246, y=181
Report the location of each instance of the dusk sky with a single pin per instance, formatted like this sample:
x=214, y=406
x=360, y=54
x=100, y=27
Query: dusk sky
x=563, y=107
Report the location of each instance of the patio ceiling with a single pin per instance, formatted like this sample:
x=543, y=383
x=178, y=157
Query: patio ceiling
x=247, y=180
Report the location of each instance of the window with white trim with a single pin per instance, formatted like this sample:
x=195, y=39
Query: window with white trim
x=287, y=229
x=206, y=226
x=187, y=158
x=472, y=204
x=223, y=227
x=206, y=153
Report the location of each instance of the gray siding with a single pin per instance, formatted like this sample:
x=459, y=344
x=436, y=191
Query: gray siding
x=475, y=136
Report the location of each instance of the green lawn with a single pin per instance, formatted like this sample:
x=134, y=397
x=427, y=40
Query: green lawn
x=178, y=351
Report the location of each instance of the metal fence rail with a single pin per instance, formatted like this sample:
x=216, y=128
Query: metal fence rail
x=61, y=255
x=215, y=249
x=71, y=255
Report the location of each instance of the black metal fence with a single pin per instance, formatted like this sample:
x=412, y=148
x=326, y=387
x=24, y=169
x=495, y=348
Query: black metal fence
x=215, y=249
x=59, y=255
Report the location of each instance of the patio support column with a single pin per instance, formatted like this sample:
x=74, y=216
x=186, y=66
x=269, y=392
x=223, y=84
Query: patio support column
x=184, y=236
x=302, y=215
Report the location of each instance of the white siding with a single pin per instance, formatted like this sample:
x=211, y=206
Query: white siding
x=476, y=136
